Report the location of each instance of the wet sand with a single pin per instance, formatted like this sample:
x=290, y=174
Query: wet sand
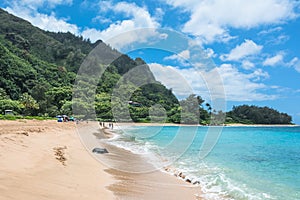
x=136, y=178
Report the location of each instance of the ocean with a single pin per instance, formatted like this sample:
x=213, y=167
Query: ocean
x=244, y=163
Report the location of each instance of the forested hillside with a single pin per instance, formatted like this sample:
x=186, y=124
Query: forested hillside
x=38, y=70
x=257, y=115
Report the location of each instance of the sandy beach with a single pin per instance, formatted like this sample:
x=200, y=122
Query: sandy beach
x=45, y=160
x=48, y=160
x=134, y=177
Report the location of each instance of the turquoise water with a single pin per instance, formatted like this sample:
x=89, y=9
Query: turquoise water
x=245, y=163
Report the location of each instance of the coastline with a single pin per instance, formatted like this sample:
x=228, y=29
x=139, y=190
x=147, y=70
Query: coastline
x=122, y=124
x=49, y=160
x=135, y=177
x=228, y=183
x=45, y=160
x=261, y=125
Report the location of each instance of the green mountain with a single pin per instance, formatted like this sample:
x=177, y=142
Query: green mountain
x=38, y=70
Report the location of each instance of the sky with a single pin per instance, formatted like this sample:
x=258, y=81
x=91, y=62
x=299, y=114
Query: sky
x=231, y=51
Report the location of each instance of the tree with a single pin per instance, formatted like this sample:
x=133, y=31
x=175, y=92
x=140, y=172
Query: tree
x=8, y=104
x=67, y=108
x=3, y=94
x=29, y=103
x=190, y=110
x=258, y=115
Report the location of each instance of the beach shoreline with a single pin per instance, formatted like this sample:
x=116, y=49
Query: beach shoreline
x=125, y=124
x=180, y=169
x=52, y=160
x=135, y=177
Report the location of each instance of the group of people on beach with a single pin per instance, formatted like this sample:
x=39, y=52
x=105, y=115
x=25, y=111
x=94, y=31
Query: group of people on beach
x=110, y=125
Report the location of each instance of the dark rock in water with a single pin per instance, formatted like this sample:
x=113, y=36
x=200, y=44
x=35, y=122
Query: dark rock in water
x=196, y=183
x=100, y=150
x=181, y=175
x=188, y=180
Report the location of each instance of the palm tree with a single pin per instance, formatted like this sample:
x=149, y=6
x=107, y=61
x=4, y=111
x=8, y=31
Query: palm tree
x=209, y=108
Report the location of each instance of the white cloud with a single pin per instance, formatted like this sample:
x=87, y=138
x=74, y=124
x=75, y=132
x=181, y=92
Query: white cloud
x=224, y=80
x=173, y=78
x=159, y=13
x=246, y=64
x=259, y=74
x=243, y=50
x=272, y=61
x=243, y=87
x=210, y=19
x=43, y=21
x=295, y=63
x=279, y=60
x=281, y=39
x=102, y=20
x=269, y=31
x=210, y=53
x=184, y=55
x=125, y=32
x=297, y=67
x=140, y=16
x=92, y=33
x=34, y=4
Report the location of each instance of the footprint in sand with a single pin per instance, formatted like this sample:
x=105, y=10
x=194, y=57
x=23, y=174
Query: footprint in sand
x=59, y=152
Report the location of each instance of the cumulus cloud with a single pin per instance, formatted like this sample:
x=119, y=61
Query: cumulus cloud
x=225, y=81
x=243, y=87
x=43, y=21
x=124, y=32
x=246, y=64
x=243, y=50
x=278, y=59
x=272, y=61
x=173, y=78
x=210, y=53
x=212, y=19
x=140, y=16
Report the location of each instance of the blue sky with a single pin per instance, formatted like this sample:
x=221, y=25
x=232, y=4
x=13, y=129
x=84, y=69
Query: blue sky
x=252, y=47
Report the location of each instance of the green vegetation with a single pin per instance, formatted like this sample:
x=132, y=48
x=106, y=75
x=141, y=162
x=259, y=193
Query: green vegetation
x=257, y=115
x=17, y=117
x=38, y=70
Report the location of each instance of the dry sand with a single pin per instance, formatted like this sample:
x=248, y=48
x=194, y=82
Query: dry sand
x=46, y=160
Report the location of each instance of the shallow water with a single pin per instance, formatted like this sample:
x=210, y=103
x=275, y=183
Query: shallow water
x=246, y=162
